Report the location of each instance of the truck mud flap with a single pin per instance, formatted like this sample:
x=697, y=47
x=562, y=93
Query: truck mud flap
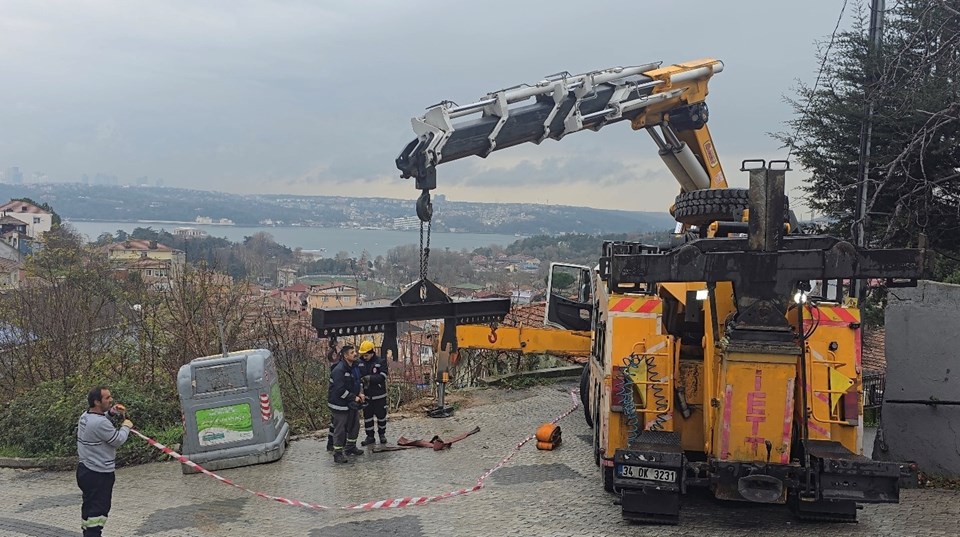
x=823, y=510
x=649, y=477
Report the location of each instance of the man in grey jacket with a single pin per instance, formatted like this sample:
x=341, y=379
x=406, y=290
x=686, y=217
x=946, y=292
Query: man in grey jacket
x=97, y=443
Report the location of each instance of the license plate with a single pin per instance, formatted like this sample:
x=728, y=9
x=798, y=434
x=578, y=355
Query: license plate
x=651, y=474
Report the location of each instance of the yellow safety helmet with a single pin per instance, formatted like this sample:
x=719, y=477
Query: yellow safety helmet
x=365, y=347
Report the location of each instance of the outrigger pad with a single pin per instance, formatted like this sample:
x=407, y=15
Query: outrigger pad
x=440, y=412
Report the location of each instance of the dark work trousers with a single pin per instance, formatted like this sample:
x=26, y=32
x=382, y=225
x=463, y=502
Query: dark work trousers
x=376, y=408
x=97, y=490
x=346, y=427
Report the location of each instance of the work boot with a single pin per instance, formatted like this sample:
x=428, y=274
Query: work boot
x=352, y=450
x=329, y=442
x=339, y=457
x=383, y=438
x=368, y=440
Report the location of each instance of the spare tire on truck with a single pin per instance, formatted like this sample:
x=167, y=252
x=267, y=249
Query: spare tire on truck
x=701, y=207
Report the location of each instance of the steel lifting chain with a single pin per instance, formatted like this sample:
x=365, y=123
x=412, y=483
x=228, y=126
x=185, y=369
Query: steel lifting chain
x=424, y=249
x=425, y=213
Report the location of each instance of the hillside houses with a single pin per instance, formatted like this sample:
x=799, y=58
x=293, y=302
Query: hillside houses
x=37, y=220
x=11, y=274
x=301, y=298
x=333, y=295
x=155, y=263
x=9, y=251
x=15, y=244
x=156, y=273
x=464, y=290
x=22, y=224
x=134, y=249
x=293, y=298
x=509, y=263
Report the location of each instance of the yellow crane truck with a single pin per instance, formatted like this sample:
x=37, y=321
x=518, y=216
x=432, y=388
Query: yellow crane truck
x=730, y=361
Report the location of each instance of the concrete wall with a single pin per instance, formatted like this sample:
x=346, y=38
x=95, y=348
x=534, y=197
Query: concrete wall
x=921, y=402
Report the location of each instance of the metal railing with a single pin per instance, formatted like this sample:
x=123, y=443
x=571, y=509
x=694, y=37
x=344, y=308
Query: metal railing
x=873, y=386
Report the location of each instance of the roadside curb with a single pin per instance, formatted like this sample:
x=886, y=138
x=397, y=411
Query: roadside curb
x=50, y=463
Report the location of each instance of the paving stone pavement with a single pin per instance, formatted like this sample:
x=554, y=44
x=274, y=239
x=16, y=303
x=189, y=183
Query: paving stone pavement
x=549, y=493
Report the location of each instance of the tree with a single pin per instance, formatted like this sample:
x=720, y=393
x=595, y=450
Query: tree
x=104, y=239
x=65, y=319
x=914, y=183
x=188, y=317
x=304, y=376
x=562, y=280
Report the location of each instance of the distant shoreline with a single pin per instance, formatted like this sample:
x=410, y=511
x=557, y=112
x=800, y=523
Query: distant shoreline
x=178, y=222
x=351, y=240
x=68, y=220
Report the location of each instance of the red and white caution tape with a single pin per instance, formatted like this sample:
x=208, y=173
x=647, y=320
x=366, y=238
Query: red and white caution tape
x=516, y=449
x=379, y=504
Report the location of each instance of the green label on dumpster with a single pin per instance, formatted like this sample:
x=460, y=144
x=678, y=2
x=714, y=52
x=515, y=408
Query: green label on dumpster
x=225, y=424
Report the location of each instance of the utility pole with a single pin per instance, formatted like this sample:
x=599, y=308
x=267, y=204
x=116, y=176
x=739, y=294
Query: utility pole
x=874, y=40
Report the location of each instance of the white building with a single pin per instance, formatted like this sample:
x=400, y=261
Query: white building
x=406, y=222
x=190, y=233
x=38, y=221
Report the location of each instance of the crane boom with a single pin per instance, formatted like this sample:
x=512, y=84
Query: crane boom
x=671, y=99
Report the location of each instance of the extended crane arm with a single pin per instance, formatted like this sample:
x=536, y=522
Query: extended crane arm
x=649, y=96
x=524, y=339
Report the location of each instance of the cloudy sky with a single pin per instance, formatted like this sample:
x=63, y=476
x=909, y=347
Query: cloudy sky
x=315, y=97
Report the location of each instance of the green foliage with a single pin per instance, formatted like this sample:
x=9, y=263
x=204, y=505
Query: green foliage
x=10, y=451
x=42, y=422
x=562, y=280
x=577, y=248
x=257, y=258
x=948, y=268
x=137, y=451
x=953, y=278
x=871, y=417
x=874, y=307
x=330, y=266
x=304, y=391
x=913, y=83
x=401, y=265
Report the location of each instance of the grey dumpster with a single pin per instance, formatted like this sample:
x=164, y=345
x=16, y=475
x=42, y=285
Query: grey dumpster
x=232, y=410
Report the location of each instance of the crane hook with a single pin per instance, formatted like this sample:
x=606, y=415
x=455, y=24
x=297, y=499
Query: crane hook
x=424, y=207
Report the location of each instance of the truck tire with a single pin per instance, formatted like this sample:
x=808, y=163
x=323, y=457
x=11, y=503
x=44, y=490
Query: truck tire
x=701, y=207
x=585, y=394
